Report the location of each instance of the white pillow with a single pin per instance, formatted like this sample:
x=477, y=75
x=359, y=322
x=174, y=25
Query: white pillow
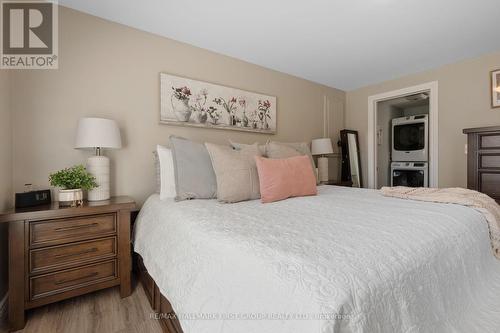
x=167, y=176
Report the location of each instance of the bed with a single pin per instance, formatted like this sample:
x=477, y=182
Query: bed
x=346, y=260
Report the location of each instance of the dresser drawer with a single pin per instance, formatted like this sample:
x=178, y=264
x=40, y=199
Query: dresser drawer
x=75, y=254
x=489, y=161
x=43, y=233
x=59, y=282
x=489, y=141
x=489, y=183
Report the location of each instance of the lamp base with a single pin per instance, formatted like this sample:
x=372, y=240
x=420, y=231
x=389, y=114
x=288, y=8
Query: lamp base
x=98, y=166
x=323, y=169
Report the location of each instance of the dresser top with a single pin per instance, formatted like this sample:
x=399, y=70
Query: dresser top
x=55, y=211
x=482, y=129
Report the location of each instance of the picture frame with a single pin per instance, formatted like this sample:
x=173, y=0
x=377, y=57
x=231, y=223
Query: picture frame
x=495, y=88
x=194, y=103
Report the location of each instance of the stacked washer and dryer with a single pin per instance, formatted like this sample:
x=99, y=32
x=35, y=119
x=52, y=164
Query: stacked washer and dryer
x=410, y=151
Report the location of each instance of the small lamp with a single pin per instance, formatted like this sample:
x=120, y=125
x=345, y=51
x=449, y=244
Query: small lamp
x=98, y=133
x=322, y=147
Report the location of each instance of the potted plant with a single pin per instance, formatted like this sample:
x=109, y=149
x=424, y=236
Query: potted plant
x=72, y=181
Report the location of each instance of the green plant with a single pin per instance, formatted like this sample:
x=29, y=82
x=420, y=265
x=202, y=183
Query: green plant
x=75, y=177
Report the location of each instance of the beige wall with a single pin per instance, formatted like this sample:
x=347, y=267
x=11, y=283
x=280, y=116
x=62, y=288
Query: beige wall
x=464, y=101
x=5, y=171
x=109, y=70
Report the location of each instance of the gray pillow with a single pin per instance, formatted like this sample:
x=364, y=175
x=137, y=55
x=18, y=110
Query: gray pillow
x=236, y=172
x=194, y=174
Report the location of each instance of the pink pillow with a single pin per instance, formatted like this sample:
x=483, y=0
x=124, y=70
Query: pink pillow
x=284, y=178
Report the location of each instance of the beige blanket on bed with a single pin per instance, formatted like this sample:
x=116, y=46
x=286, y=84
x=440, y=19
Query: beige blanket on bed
x=460, y=196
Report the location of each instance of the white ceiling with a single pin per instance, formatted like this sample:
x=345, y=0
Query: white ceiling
x=341, y=43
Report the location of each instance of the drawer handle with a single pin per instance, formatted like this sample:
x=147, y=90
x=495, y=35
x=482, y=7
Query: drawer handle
x=68, y=255
x=77, y=279
x=74, y=227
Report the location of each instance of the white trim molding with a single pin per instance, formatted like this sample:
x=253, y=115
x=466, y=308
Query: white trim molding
x=432, y=88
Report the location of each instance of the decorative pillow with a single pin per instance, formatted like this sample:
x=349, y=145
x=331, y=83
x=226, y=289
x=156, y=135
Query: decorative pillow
x=289, y=149
x=279, y=150
x=167, y=175
x=284, y=178
x=237, y=178
x=239, y=146
x=194, y=174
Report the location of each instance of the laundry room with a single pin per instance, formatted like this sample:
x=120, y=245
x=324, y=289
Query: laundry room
x=402, y=135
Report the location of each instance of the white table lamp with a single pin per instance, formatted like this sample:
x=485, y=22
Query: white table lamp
x=322, y=147
x=98, y=133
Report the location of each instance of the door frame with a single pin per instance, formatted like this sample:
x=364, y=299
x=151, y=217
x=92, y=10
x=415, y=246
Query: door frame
x=432, y=88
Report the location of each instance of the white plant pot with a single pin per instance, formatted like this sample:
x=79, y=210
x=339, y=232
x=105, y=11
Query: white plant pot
x=71, y=198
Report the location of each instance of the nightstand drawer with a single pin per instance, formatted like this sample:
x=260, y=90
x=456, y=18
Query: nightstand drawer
x=55, y=283
x=71, y=255
x=61, y=231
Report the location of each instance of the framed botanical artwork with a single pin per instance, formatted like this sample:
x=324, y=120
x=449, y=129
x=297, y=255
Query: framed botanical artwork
x=186, y=102
x=495, y=88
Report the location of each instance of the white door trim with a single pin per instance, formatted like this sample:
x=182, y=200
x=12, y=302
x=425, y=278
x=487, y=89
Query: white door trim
x=431, y=87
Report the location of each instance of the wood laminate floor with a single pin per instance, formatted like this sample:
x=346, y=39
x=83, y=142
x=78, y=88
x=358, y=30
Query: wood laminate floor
x=103, y=311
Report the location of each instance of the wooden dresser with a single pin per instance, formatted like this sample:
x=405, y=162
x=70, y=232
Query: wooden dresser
x=57, y=253
x=483, y=160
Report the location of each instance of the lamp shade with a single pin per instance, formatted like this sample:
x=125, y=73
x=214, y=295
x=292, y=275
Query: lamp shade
x=97, y=133
x=321, y=146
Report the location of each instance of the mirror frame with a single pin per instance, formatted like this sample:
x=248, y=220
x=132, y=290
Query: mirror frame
x=346, y=164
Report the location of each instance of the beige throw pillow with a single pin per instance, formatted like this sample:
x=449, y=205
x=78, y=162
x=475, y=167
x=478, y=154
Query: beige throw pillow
x=289, y=149
x=236, y=172
x=238, y=146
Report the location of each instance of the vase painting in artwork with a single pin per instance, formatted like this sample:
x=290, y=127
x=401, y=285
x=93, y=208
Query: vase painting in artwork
x=180, y=103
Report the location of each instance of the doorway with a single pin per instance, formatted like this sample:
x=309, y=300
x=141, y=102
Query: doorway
x=407, y=107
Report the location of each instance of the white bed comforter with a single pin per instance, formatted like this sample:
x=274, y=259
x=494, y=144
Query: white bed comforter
x=347, y=260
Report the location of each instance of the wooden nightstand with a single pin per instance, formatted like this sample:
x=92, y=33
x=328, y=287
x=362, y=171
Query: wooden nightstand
x=61, y=252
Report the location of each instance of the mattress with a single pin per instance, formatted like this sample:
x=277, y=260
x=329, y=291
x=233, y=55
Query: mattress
x=346, y=260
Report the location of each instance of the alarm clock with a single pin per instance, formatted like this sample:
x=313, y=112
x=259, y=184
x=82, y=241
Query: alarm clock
x=33, y=198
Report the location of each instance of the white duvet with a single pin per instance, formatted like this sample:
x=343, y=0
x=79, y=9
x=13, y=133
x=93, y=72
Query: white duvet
x=347, y=260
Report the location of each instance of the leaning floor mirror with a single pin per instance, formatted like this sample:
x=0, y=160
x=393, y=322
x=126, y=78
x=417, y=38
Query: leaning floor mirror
x=351, y=165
